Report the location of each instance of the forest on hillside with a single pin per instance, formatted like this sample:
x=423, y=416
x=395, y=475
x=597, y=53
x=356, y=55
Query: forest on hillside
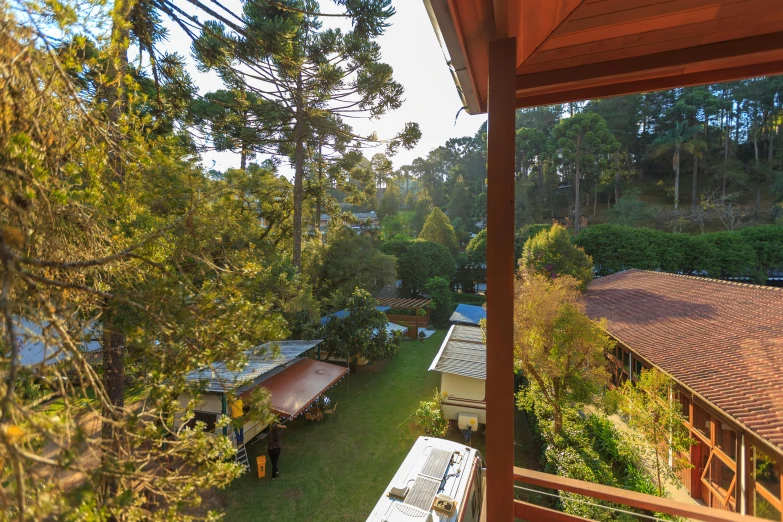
x=684, y=160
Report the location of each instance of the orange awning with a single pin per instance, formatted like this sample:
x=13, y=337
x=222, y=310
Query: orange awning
x=296, y=387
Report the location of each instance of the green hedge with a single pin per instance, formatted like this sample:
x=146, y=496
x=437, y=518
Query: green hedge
x=750, y=252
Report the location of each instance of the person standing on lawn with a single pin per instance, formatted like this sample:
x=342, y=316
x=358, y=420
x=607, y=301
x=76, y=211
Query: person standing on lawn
x=274, y=445
x=237, y=419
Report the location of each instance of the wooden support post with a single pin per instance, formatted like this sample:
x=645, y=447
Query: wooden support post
x=500, y=280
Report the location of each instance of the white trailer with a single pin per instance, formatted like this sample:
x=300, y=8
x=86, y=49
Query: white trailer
x=439, y=481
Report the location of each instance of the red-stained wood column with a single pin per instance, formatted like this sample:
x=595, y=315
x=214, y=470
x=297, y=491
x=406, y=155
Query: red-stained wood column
x=500, y=280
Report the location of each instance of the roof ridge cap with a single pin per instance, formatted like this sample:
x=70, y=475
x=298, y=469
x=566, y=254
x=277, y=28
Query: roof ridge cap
x=701, y=278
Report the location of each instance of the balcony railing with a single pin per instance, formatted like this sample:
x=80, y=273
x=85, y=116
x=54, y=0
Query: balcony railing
x=531, y=512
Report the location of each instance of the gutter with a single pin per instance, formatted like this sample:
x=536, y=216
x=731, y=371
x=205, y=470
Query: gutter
x=445, y=31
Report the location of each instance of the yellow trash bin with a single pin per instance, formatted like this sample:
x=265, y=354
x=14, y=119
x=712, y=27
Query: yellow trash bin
x=261, y=463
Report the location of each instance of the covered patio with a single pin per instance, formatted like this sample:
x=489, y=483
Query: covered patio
x=508, y=54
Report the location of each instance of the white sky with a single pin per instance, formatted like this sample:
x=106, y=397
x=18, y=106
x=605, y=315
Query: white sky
x=411, y=48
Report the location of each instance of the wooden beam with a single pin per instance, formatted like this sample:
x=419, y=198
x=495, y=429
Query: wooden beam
x=678, y=57
x=533, y=513
x=653, y=84
x=628, y=498
x=500, y=280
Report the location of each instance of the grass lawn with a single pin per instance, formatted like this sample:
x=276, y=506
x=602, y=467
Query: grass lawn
x=337, y=471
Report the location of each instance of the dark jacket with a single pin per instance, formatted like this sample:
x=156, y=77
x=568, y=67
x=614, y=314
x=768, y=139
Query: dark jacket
x=274, y=438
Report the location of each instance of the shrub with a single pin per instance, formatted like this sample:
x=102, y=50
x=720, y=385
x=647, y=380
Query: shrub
x=422, y=261
x=552, y=254
x=442, y=306
x=467, y=273
x=430, y=417
x=750, y=252
x=396, y=246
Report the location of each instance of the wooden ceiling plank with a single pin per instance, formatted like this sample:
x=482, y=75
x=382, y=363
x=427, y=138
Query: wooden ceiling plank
x=733, y=16
x=529, y=32
x=653, y=84
x=540, y=19
x=648, y=12
x=634, y=27
x=680, y=57
x=610, y=6
x=635, y=46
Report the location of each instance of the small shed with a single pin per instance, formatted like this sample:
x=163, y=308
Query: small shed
x=468, y=314
x=294, y=382
x=462, y=363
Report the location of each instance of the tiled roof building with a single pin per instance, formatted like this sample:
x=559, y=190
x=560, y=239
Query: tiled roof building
x=723, y=344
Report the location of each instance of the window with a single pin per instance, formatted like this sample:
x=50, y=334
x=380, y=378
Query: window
x=637, y=367
x=762, y=508
x=767, y=473
x=701, y=421
x=626, y=360
x=726, y=439
x=686, y=406
x=720, y=476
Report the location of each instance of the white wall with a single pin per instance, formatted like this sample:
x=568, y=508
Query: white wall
x=457, y=387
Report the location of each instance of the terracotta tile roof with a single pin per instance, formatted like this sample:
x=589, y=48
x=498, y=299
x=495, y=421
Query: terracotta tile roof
x=723, y=340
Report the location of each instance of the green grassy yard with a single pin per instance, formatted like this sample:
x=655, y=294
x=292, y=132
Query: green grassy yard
x=337, y=471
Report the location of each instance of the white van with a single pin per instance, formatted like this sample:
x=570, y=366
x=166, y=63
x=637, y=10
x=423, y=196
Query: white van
x=439, y=481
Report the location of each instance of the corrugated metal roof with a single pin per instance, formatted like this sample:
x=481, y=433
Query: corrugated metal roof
x=342, y=314
x=261, y=360
x=463, y=352
x=468, y=314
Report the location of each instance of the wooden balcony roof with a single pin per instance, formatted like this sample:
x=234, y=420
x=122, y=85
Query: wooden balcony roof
x=570, y=50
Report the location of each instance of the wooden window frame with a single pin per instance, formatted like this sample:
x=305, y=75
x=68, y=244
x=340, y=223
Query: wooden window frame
x=724, y=497
x=777, y=503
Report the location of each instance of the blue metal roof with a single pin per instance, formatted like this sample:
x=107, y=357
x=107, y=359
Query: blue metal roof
x=342, y=314
x=468, y=314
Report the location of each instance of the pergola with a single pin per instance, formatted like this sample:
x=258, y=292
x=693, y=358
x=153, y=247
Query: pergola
x=506, y=54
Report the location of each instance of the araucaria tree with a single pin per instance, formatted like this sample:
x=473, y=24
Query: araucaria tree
x=657, y=420
x=583, y=143
x=559, y=348
x=310, y=78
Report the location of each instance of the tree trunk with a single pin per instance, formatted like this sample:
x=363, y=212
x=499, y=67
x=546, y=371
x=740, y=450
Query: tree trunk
x=577, y=209
x=694, y=199
x=758, y=173
x=677, y=177
x=298, y=174
x=616, y=178
x=243, y=159
x=726, y=153
x=595, y=197
x=113, y=342
x=320, y=188
x=540, y=173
